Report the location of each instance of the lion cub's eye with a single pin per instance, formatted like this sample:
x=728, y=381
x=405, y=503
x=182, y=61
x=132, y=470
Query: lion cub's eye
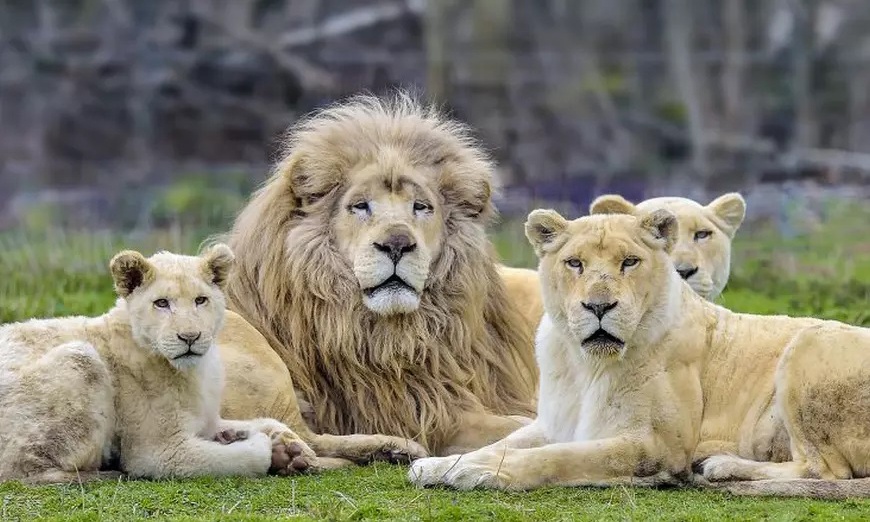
x=419, y=206
x=201, y=300
x=161, y=303
x=629, y=262
x=362, y=206
x=575, y=263
x=703, y=234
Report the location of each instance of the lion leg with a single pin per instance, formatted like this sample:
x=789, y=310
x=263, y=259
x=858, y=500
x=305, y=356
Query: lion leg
x=363, y=449
x=478, y=429
x=71, y=477
x=825, y=406
x=61, y=415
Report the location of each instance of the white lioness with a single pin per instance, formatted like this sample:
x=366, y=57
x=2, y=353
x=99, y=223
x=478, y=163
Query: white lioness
x=641, y=378
x=702, y=252
x=138, y=389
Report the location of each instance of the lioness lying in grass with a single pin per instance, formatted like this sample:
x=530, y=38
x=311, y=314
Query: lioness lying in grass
x=641, y=378
x=136, y=390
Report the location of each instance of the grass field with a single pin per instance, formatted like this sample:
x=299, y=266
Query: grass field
x=825, y=272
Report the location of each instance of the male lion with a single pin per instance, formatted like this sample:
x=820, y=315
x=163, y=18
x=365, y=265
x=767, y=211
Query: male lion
x=137, y=389
x=365, y=263
x=641, y=377
x=702, y=253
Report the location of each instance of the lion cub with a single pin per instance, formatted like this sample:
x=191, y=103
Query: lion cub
x=136, y=390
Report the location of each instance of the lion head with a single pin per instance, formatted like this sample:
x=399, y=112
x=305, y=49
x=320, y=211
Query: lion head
x=176, y=303
x=604, y=277
x=702, y=253
x=364, y=260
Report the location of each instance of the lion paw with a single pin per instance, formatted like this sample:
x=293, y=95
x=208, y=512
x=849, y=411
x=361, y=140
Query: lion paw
x=722, y=467
x=290, y=455
x=399, y=451
x=463, y=472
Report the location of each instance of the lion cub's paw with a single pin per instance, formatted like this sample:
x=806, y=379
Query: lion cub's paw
x=290, y=455
x=230, y=436
x=396, y=450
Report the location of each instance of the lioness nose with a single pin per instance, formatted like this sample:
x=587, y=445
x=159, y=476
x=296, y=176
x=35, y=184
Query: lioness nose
x=599, y=309
x=686, y=271
x=396, y=246
x=190, y=337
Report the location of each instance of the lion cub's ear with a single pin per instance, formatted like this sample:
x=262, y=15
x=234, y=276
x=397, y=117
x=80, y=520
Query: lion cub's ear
x=662, y=226
x=612, y=204
x=217, y=262
x=731, y=209
x=543, y=227
x=130, y=270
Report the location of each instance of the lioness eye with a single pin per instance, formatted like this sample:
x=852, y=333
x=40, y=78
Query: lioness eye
x=703, y=234
x=575, y=263
x=629, y=262
x=362, y=206
x=161, y=303
x=201, y=300
x=419, y=206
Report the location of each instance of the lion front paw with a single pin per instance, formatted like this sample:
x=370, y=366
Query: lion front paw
x=396, y=450
x=290, y=455
x=723, y=467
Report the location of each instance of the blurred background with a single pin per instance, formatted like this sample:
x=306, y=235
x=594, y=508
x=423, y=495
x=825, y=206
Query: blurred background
x=148, y=122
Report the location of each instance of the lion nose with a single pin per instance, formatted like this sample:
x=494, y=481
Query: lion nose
x=396, y=246
x=686, y=271
x=190, y=337
x=599, y=309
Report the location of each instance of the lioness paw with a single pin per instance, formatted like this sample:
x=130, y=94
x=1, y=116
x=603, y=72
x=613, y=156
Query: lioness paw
x=722, y=467
x=464, y=472
x=431, y=471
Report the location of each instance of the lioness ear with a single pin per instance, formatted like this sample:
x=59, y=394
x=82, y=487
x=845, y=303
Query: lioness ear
x=218, y=261
x=543, y=227
x=662, y=225
x=612, y=204
x=730, y=208
x=130, y=270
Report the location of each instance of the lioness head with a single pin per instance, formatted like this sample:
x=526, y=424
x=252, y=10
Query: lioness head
x=702, y=253
x=604, y=277
x=176, y=303
x=384, y=184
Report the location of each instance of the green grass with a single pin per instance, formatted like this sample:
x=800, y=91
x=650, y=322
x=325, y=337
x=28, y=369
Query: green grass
x=824, y=273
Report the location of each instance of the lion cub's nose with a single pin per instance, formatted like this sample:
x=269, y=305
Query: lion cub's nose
x=686, y=271
x=396, y=246
x=190, y=337
x=599, y=309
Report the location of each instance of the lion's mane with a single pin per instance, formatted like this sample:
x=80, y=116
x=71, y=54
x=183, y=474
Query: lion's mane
x=464, y=349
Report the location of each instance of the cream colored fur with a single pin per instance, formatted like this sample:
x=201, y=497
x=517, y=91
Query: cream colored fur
x=137, y=389
x=641, y=378
x=702, y=252
x=364, y=262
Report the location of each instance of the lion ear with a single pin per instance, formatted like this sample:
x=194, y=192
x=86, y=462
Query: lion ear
x=662, y=225
x=304, y=183
x=543, y=228
x=217, y=262
x=130, y=270
x=612, y=204
x=470, y=197
x=731, y=209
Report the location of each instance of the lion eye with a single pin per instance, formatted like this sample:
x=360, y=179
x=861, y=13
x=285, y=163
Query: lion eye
x=629, y=262
x=575, y=263
x=362, y=206
x=703, y=234
x=161, y=303
x=419, y=206
x=201, y=300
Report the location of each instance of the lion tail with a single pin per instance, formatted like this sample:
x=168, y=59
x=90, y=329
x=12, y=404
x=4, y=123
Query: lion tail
x=806, y=488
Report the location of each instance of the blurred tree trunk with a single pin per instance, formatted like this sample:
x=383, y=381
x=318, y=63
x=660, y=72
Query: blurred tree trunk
x=678, y=33
x=436, y=33
x=734, y=99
